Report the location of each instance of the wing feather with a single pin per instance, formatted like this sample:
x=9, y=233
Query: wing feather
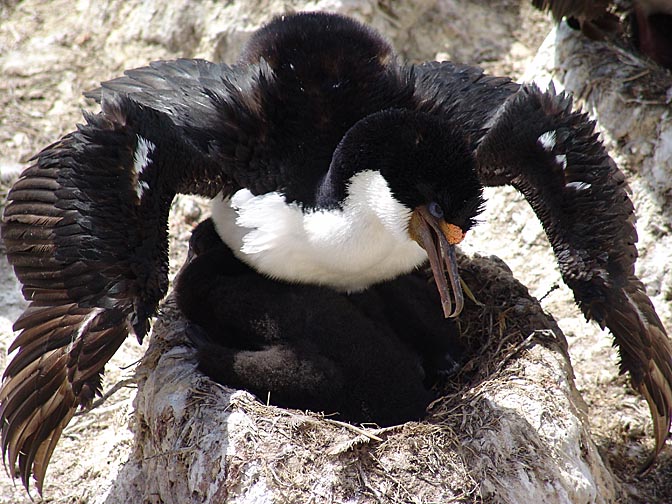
x=85, y=228
x=465, y=93
x=553, y=157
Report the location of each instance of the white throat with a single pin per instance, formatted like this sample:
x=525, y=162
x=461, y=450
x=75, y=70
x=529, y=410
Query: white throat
x=363, y=243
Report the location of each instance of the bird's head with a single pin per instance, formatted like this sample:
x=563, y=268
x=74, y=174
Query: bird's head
x=429, y=171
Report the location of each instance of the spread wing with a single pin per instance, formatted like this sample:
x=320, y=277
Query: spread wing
x=464, y=93
x=553, y=157
x=85, y=228
x=534, y=142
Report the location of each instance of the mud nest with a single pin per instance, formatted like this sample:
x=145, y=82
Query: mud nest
x=507, y=426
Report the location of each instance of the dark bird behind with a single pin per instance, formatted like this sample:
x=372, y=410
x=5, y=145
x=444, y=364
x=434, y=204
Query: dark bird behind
x=648, y=23
x=330, y=163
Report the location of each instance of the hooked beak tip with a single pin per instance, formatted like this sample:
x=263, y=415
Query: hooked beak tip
x=439, y=238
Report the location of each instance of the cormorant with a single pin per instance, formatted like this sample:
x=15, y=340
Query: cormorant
x=330, y=162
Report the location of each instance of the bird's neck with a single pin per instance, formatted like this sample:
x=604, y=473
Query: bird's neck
x=349, y=247
x=332, y=190
x=350, y=177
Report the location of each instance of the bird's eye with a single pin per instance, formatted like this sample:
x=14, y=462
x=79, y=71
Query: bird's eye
x=435, y=209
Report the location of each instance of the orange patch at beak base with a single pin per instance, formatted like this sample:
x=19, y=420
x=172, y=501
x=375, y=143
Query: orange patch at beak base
x=439, y=238
x=453, y=233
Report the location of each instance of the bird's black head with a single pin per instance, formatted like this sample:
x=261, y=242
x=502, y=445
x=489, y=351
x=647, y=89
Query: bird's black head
x=424, y=159
x=431, y=164
x=429, y=169
x=320, y=38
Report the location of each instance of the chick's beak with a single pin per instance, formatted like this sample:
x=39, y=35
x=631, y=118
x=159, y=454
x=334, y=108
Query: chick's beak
x=439, y=238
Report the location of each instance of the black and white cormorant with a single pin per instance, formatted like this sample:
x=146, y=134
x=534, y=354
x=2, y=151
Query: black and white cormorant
x=329, y=162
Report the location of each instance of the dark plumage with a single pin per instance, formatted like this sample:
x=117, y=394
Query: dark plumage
x=650, y=23
x=310, y=192
x=368, y=357
x=592, y=17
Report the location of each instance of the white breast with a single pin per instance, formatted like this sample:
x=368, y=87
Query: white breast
x=363, y=243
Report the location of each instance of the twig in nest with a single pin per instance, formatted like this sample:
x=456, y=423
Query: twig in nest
x=353, y=428
x=132, y=364
x=469, y=293
x=542, y=334
x=170, y=453
x=554, y=287
x=361, y=438
x=380, y=470
x=636, y=76
x=117, y=386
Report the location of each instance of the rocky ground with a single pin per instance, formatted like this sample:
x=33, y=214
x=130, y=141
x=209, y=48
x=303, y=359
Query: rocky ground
x=51, y=52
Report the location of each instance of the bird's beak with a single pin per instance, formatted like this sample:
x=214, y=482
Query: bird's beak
x=439, y=238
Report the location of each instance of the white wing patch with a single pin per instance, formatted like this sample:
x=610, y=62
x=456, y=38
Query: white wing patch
x=547, y=140
x=578, y=186
x=561, y=159
x=141, y=160
x=349, y=249
x=84, y=325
